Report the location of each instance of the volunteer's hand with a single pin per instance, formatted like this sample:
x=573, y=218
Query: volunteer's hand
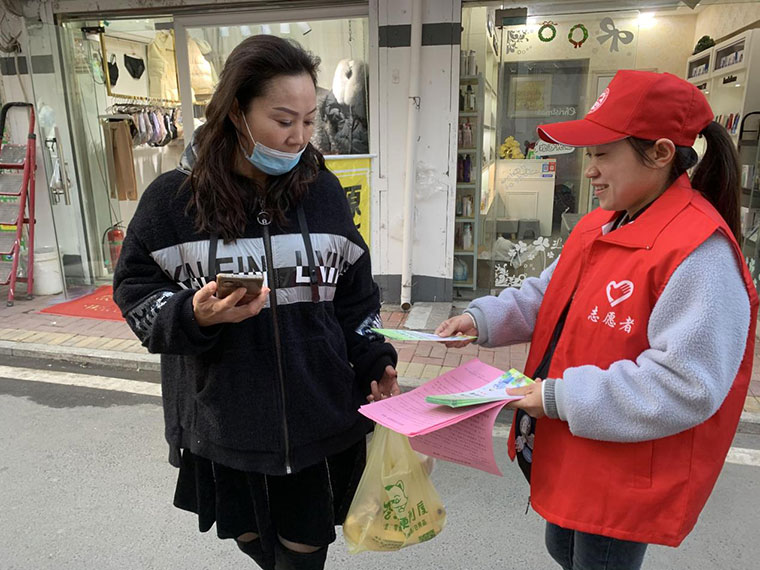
x=210, y=310
x=462, y=324
x=387, y=387
x=532, y=402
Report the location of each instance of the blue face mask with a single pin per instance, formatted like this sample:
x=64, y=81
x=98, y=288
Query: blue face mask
x=271, y=161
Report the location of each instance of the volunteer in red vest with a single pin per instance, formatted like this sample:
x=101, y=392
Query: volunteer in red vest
x=643, y=330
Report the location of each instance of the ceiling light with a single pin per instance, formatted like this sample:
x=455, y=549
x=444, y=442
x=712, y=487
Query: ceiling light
x=245, y=30
x=224, y=31
x=304, y=27
x=646, y=20
x=265, y=29
x=284, y=28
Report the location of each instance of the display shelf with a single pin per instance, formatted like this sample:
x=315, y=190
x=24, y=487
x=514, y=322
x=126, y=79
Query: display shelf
x=481, y=155
x=699, y=66
x=731, y=55
x=732, y=88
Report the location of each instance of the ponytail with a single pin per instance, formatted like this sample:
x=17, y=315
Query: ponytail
x=717, y=176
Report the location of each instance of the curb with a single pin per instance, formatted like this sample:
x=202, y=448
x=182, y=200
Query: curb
x=79, y=355
x=748, y=423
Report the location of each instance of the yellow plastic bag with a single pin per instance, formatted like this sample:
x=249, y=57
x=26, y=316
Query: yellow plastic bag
x=395, y=504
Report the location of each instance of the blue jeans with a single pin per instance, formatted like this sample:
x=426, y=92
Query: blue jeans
x=575, y=550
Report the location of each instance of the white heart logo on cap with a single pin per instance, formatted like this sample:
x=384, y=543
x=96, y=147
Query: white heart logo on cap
x=600, y=101
x=618, y=292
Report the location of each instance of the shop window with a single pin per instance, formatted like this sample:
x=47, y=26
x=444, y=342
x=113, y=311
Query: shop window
x=341, y=125
x=531, y=194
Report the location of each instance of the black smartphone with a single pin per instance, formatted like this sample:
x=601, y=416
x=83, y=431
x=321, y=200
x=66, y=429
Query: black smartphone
x=226, y=283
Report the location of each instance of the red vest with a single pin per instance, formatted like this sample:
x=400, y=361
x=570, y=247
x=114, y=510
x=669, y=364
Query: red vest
x=650, y=491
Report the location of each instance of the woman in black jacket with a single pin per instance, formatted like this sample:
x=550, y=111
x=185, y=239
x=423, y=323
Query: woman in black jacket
x=261, y=398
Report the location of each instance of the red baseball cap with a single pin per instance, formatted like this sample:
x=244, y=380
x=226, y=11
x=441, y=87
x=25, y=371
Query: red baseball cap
x=638, y=104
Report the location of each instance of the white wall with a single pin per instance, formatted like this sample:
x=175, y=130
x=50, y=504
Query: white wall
x=721, y=20
x=666, y=43
x=436, y=153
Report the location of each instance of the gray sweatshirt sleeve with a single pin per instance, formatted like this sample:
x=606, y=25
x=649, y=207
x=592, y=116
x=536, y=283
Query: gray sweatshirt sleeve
x=510, y=317
x=697, y=335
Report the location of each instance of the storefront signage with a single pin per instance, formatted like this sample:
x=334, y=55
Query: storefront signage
x=729, y=79
x=562, y=111
x=354, y=176
x=544, y=148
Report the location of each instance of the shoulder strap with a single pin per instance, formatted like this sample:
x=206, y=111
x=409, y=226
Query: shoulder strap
x=309, y=255
x=213, y=239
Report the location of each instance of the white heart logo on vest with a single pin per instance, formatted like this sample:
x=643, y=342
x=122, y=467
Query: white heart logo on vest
x=618, y=292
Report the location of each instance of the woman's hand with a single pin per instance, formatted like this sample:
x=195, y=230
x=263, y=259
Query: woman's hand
x=463, y=324
x=387, y=387
x=531, y=402
x=210, y=310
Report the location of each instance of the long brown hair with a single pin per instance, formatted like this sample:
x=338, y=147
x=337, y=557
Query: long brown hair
x=218, y=202
x=717, y=175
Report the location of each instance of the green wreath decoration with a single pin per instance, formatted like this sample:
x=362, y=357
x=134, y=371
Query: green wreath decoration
x=547, y=26
x=570, y=35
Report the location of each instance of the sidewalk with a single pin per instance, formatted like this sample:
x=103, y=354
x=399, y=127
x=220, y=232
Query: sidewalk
x=24, y=331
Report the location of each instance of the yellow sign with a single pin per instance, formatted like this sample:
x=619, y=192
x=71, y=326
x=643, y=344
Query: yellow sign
x=354, y=176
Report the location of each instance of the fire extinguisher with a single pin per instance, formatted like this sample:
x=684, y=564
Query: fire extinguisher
x=114, y=235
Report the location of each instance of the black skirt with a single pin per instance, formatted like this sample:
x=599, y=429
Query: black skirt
x=302, y=507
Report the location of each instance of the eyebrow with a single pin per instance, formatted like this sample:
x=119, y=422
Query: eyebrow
x=292, y=112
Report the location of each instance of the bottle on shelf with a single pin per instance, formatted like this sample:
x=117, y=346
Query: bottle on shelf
x=467, y=135
x=460, y=169
x=472, y=67
x=459, y=206
x=470, y=100
x=460, y=135
x=462, y=62
x=460, y=270
x=466, y=206
x=461, y=100
x=466, y=168
x=467, y=92
x=467, y=237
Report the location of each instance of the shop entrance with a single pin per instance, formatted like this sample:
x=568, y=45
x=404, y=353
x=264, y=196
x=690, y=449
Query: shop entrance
x=135, y=90
x=518, y=197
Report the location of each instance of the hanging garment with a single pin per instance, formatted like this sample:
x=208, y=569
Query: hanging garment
x=178, y=122
x=202, y=73
x=173, y=123
x=161, y=128
x=119, y=146
x=148, y=127
x=162, y=67
x=156, y=128
x=168, y=128
x=138, y=133
x=113, y=71
x=135, y=66
x=142, y=134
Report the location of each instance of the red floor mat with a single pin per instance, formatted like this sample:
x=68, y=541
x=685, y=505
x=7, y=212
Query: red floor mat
x=97, y=305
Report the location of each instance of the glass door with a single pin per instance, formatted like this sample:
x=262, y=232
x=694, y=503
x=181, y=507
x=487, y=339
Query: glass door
x=61, y=220
x=550, y=69
x=108, y=70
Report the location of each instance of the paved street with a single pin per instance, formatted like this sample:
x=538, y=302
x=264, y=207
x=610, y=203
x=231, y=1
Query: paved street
x=84, y=483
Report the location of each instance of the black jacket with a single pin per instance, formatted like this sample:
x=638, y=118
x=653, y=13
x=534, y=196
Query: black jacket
x=224, y=397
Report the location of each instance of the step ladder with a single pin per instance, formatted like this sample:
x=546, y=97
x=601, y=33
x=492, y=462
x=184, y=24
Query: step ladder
x=17, y=168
